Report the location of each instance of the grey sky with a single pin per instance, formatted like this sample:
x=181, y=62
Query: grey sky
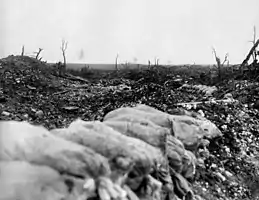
x=176, y=31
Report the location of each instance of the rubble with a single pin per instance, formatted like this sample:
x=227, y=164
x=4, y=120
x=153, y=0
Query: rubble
x=226, y=167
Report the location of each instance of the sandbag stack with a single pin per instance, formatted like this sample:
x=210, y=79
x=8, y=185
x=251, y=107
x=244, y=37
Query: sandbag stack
x=180, y=135
x=134, y=153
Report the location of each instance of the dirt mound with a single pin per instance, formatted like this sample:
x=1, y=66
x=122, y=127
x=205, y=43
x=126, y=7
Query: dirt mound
x=26, y=85
x=23, y=73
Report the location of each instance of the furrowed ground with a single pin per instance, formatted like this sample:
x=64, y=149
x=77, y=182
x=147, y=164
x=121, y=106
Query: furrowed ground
x=34, y=91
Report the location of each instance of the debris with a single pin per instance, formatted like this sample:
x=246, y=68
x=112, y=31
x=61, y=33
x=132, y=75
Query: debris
x=221, y=176
x=39, y=113
x=228, y=96
x=6, y=113
x=93, y=99
x=70, y=108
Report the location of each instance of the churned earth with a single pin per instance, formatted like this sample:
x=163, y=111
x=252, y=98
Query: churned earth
x=34, y=91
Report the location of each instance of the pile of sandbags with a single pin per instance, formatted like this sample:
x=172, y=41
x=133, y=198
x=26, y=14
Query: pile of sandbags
x=178, y=136
x=185, y=126
x=28, y=181
x=129, y=156
x=52, y=167
x=135, y=153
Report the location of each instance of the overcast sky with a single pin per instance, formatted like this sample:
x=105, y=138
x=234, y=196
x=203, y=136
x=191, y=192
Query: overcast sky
x=176, y=31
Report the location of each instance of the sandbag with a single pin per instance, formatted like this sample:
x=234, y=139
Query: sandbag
x=25, y=142
x=185, y=127
x=110, y=143
x=208, y=128
x=155, y=136
x=175, y=161
x=181, y=160
x=181, y=187
x=134, y=119
x=25, y=181
x=188, y=129
x=160, y=119
x=173, y=144
x=189, y=165
x=148, y=109
x=174, y=148
x=152, y=191
x=191, y=131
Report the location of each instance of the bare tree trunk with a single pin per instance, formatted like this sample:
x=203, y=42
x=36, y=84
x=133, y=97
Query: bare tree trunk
x=149, y=63
x=219, y=64
x=156, y=61
x=116, y=62
x=64, y=58
x=38, y=53
x=22, y=54
x=254, y=40
x=251, y=52
x=63, y=49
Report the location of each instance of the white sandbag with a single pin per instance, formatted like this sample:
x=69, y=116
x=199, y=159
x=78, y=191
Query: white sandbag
x=25, y=142
x=190, y=130
x=24, y=181
x=205, y=127
x=110, y=143
x=149, y=109
x=155, y=136
x=189, y=165
x=134, y=119
x=160, y=119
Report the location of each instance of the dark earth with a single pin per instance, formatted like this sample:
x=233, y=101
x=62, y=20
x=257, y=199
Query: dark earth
x=36, y=92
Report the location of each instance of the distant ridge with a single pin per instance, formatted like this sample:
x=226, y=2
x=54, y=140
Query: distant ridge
x=78, y=66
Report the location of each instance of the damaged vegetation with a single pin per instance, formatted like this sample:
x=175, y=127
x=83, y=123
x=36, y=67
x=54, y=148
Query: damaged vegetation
x=146, y=133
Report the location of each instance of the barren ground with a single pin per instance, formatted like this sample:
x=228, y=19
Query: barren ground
x=33, y=91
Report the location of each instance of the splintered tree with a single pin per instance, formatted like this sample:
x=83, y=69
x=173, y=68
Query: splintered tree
x=22, y=54
x=63, y=49
x=38, y=53
x=116, y=62
x=219, y=63
x=253, y=52
x=156, y=61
